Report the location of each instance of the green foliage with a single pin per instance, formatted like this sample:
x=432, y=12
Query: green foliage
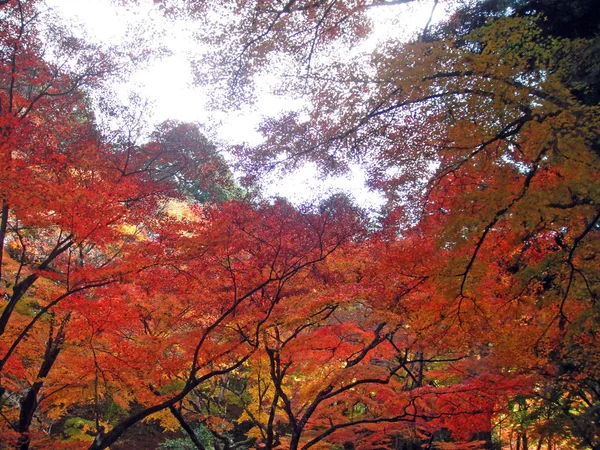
x=202, y=433
x=193, y=163
x=576, y=20
x=113, y=412
x=77, y=427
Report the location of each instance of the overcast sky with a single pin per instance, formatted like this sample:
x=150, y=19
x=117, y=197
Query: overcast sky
x=182, y=100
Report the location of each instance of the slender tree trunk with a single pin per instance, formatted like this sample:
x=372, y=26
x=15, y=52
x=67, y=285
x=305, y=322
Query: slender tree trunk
x=270, y=431
x=420, y=357
x=186, y=427
x=3, y=226
x=294, y=442
x=486, y=437
x=29, y=403
x=540, y=442
x=29, y=406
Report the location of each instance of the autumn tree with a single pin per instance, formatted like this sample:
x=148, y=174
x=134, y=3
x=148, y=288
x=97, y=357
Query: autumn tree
x=67, y=202
x=473, y=304
x=290, y=38
x=360, y=352
x=487, y=143
x=574, y=20
x=237, y=265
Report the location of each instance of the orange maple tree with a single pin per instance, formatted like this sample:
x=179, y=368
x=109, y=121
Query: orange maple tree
x=487, y=146
x=136, y=289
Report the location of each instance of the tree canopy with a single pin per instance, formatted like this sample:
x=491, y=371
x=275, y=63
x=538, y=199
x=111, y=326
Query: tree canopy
x=142, y=288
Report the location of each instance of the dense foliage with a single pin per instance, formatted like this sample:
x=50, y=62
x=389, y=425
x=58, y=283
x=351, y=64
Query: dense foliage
x=142, y=288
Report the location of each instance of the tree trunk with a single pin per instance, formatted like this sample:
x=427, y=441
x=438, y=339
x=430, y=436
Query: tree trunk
x=486, y=437
x=295, y=441
x=186, y=427
x=29, y=403
x=3, y=225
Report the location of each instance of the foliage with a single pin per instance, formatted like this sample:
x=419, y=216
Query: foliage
x=186, y=444
x=138, y=285
x=188, y=157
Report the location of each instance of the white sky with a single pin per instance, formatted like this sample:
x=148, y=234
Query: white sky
x=168, y=84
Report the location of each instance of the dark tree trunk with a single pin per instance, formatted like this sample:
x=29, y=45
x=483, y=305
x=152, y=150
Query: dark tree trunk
x=486, y=437
x=29, y=403
x=186, y=427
